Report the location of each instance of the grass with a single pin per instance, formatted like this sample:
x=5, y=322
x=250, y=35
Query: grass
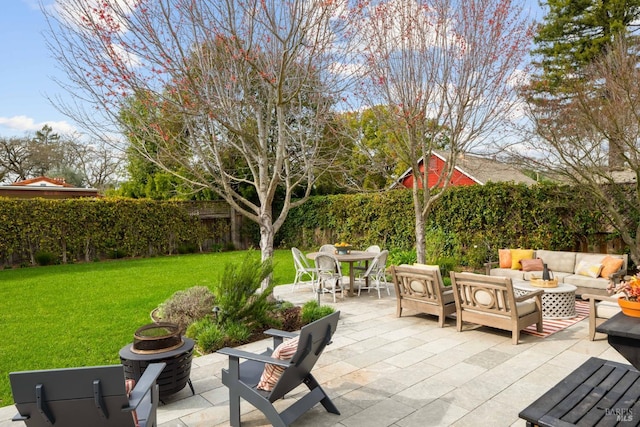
x=83, y=314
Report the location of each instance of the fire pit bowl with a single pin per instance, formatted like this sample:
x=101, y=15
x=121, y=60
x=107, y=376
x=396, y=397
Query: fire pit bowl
x=156, y=338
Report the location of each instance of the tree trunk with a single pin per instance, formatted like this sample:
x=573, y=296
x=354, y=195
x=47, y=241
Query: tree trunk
x=419, y=220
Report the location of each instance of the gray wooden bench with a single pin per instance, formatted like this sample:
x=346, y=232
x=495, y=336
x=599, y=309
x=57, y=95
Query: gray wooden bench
x=599, y=393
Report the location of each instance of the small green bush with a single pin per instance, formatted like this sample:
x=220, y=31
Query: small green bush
x=187, y=306
x=237, y=332
x=45, y=258
x=402, y=257
x=208, y=334
x=237, y=295
x=311, y=311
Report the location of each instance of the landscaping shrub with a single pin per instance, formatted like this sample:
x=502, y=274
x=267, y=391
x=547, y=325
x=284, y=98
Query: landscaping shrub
x=311, y=311
x=208, y=334
x=45, y=258
x=236, y=292
x=237, y=333
x=187, y=306
x=402, y=257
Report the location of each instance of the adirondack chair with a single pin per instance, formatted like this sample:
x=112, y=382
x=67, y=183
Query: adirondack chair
x=242, y=378
x=88, y=396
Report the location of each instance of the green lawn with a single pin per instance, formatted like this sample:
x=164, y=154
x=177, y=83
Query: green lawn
x=82, y=314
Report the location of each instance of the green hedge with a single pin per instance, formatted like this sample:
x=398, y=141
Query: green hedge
x=468, y=223
x=90, y=229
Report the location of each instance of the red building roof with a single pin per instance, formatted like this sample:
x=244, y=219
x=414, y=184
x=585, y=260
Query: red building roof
x=45, y=187
x=469, y=170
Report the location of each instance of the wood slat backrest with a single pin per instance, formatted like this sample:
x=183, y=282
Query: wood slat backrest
x=418, y=282
x=489, y=294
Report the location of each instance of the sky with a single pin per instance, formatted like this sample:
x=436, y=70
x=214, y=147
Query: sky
x=28, y=70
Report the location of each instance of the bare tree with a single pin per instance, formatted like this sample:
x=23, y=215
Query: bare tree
x=446, y=70
x=574, y=139
x=97, y=163
x=250, y=80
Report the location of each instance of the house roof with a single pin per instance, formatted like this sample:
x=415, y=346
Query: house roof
x=45, y=187
x=481, y=169
x=43, y=181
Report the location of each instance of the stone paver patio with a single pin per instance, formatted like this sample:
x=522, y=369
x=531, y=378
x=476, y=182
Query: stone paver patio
x=386, y=371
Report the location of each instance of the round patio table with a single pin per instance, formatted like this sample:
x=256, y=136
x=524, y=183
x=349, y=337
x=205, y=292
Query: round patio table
x=557, y=303
x=350, y=258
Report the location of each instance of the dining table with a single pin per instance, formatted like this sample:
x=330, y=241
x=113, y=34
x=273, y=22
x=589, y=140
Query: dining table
x=350, y=258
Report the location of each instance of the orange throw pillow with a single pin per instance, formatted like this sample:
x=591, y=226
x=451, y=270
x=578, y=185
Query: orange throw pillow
x=610, y=265
x=504, y=255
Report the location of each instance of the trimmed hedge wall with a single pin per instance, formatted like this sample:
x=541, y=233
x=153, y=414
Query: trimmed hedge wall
x=89, y=229
x=469, y=223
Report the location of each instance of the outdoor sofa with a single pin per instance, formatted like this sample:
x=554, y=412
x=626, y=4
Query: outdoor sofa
x=590, y=272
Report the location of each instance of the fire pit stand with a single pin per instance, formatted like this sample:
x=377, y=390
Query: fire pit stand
x=174, y=377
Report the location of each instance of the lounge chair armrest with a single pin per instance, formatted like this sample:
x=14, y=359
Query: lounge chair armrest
x=531, y=294
x=279, y=333
x=279, y=336
x=599, y=297
x=142, y=387
x=617, y=276
x=241, y=354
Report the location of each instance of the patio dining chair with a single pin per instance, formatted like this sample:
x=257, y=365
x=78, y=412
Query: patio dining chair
x=329, y=274
x=375, y=277
x=328, y=249
x=362, y=265
x=303, y=269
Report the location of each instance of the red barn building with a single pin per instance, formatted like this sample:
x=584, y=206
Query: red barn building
x=470, y=170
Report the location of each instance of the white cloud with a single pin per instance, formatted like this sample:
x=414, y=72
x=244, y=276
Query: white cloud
x=28, y=124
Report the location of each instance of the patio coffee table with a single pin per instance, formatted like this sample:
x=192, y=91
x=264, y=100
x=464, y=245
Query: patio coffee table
x=557, y=303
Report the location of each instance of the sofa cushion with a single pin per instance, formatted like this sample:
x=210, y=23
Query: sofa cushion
x=610, y=265
x=507, y=272
x=607, y=309
x=526, y=307
x=504, y=256
x=558, y=260
x=531, y=264
x=519, y=254
x=586, y=282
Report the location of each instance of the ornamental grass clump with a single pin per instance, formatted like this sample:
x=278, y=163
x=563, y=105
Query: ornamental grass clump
x=186, y=306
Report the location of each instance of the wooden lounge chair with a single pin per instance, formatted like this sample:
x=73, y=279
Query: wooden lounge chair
x=89, y=396
x=242, y=378
x=601, y=308
x=420, y=288
x=490, y=301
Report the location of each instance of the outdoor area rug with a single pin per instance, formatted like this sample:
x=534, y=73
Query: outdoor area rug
x=551, y=326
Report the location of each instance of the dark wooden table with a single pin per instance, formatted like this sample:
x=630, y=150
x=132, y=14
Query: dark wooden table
x=623, y=334
x=600, y=392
